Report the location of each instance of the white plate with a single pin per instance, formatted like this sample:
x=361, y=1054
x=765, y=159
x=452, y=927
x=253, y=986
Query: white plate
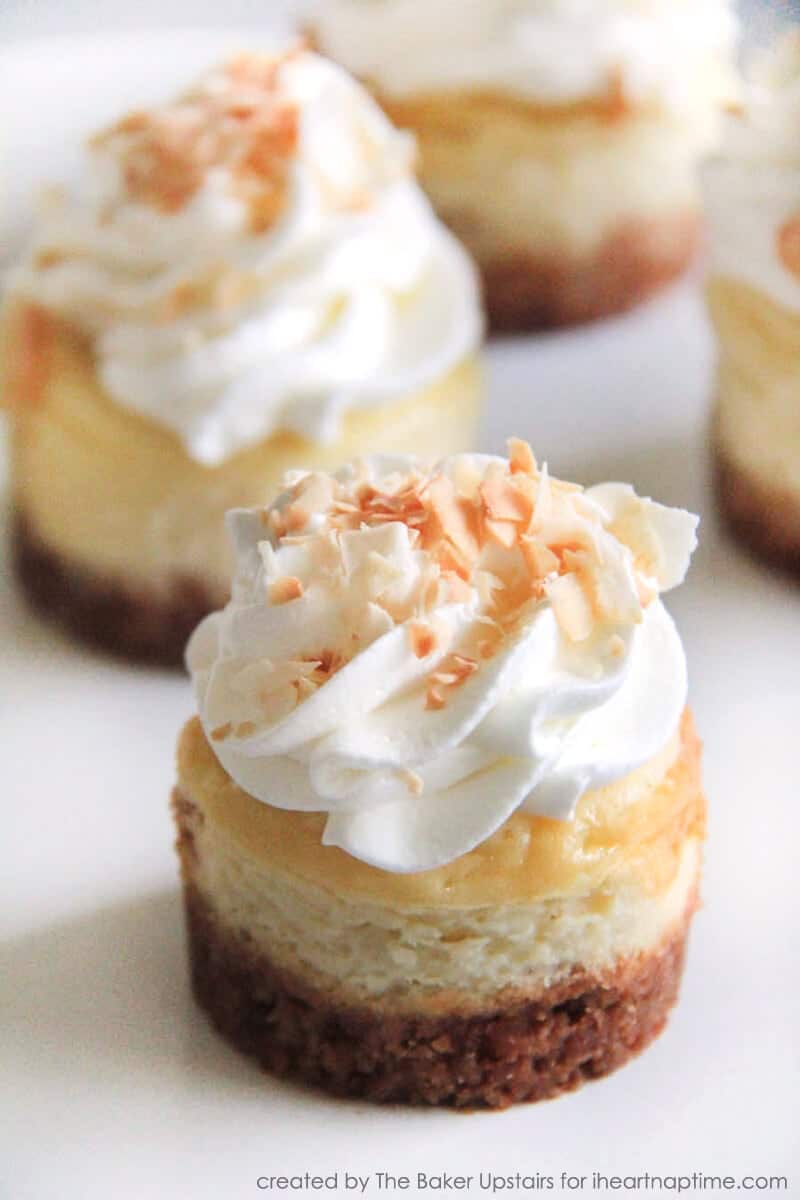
x=113, y=1085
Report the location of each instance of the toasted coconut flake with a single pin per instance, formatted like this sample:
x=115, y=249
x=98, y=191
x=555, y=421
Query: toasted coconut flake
x=412, y=780
x=504, y=533
x=327, y=663
x=455, y=669
x=539, y=558
x=544, y=502
x=242, y=124
x=275, y=523
x=423, y=639
x=457, y=517
x=487, y=584
x=45, y=259
x=379, y=574
x=616, y=646
x=305, y=687
x=316, y=491
x=572, y=609
x=180, y=300
x=458, y=590
x=504, y=500
x=646, y=591
x=283, y=590
x=521, y=458
x=434, y=699
x=231, y=290
x=295, y=516
x=608, y=587
x=789, y=245
x=30, y=365
x=445, y=678
x=451, y=674
x=563, y=485
x=488, y=646
x=245, y=729
x=432, y=590
x=452, y=562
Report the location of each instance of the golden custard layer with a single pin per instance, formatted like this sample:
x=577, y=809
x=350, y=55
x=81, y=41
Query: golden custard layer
x=112, y=491
x=509, y=175
x=758, y=383
x=633, y=830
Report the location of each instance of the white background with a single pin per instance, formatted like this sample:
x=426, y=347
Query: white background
x=111, y=1083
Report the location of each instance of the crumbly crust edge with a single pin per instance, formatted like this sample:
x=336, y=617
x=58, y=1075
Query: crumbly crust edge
x=106, y=612
x=530, y=1048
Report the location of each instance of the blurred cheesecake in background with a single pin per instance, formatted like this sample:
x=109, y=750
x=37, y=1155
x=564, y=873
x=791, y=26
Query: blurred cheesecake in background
x=248, y=279
x=753, y=199
x=559, y=138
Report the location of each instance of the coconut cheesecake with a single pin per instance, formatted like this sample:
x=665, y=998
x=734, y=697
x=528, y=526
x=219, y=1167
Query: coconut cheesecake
x=248, y=280
x=440, y=814
x=753, y=199
x=560, y=140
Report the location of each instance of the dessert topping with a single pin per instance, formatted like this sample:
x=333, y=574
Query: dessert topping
x=238, y=119
x=419, y=651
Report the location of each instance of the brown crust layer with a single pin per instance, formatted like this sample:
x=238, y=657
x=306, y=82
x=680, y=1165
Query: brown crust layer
x=576, y=1030
x=105, y=613
x=765, y=519
x=524, y=291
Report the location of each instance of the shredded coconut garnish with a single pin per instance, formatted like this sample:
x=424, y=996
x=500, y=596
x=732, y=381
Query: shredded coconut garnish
x=505, y=537
x=789, y=245
x=236, y=119
x=285, y=589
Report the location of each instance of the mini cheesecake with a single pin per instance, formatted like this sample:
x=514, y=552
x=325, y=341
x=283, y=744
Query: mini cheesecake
x=561, y=146
x=440, y=814
x=753, y=196
x=250, y=281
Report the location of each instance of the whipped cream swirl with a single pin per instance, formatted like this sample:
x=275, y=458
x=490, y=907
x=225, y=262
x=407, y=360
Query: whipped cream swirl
x=676, y=52
x=256, y=256
x=753, y=185
x=418, y=652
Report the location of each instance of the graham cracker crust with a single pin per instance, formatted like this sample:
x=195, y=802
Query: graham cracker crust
x=104, y=612
x=525, y=292
x=579, y=1029
x=764, y=519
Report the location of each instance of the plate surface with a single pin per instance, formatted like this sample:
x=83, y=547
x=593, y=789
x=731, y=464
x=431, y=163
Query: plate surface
x=112, y=1084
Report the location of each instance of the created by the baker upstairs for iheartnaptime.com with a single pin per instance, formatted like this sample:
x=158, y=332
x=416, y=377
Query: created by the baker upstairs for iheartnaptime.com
x=247, y=279
x=559, y=139
x=440, y=814
x=753, y=199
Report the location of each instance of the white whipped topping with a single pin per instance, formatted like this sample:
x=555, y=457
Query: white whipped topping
x=354, y=296
x=557, y=51
x=753, y=185
x=463, y=673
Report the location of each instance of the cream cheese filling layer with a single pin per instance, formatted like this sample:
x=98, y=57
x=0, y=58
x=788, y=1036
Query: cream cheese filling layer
x=550, y=191
x=634, y=825
x=432, y=958
x=758, y=394
x=114, y=493
x=752, y=186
